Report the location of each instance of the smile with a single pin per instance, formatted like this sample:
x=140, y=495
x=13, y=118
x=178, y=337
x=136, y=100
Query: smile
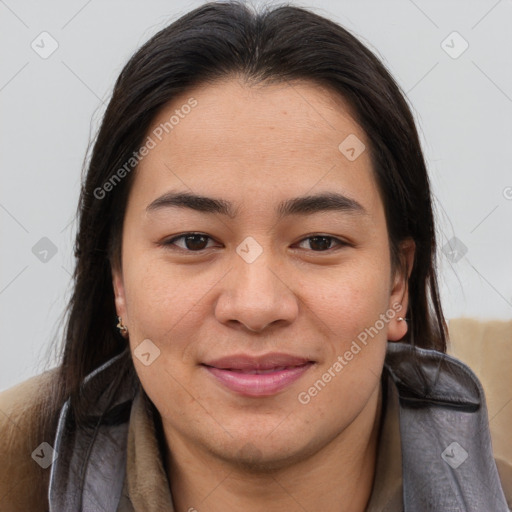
x=258, y=377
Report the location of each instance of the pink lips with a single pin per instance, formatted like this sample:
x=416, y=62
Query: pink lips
x=258, y=376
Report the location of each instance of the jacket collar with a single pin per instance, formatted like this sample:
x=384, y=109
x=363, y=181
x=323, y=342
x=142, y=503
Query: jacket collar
x=90, y=467
x=447, y=460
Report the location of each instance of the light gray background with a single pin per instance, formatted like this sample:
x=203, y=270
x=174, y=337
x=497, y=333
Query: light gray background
x=51, y=107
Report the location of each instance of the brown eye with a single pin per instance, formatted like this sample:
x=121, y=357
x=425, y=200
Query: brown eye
x=190, y=241
x=321, y=243
x=195, y=242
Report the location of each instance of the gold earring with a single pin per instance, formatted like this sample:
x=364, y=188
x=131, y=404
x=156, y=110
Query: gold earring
x=122, y=328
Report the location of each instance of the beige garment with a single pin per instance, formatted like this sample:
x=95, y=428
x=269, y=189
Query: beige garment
x=486, y=347
x=146, y=487
x=23, y=482
x=387, y=486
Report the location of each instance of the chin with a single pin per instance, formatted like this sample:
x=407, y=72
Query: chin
x=264, y=456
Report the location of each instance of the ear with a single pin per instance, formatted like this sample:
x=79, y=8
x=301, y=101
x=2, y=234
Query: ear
x=119, y=293
x=399, y=296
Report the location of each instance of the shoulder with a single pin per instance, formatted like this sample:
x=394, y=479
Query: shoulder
x=486, y=347
x=23, y=477
x=441, y=390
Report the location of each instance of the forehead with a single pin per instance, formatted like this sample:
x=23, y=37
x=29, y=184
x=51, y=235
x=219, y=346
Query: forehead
x=279, y=139
x=282, y=116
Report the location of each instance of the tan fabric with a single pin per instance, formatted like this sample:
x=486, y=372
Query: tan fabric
x=486, y=347
x=387, y=486
x=146, y=485
x=23, y=482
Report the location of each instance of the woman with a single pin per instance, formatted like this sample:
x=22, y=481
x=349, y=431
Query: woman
x=255, y=323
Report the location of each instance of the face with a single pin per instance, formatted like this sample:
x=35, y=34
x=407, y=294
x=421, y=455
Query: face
x=265, y=312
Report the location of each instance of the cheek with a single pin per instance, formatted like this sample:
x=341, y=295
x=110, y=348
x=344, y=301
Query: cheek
x=148, y=294
x=351, y=305
x=166, y=304
x=164, y=307
x=348, y=300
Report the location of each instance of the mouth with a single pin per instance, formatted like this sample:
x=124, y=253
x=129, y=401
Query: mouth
x=258, y=376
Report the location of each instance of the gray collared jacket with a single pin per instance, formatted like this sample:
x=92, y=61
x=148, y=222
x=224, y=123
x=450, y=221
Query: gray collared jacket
x=447, y=459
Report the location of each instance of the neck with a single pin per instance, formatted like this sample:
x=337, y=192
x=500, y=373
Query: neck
x=337, y=478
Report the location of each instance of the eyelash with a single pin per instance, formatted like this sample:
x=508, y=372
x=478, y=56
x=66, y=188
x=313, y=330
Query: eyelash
x=170, y=242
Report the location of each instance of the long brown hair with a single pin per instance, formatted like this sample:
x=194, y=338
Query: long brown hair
x=279, y=44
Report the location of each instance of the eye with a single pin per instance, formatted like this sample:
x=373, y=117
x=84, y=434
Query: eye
x=322, y=243
x=192, y=242
x=195, y=242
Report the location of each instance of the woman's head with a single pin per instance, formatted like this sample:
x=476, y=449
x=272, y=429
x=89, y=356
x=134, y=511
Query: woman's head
x=290, y=266
x=254, y=110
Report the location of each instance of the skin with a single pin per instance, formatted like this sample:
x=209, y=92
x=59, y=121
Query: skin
x=256, y=146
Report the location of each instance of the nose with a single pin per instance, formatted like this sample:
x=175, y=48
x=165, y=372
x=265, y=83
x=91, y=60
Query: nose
x=256, y=295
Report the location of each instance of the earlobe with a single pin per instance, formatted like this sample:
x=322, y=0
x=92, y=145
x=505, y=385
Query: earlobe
x=398, y=329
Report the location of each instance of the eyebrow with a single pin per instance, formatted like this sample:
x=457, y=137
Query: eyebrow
x=304, y=205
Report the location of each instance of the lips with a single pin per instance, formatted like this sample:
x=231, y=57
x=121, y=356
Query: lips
x=258, y=376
